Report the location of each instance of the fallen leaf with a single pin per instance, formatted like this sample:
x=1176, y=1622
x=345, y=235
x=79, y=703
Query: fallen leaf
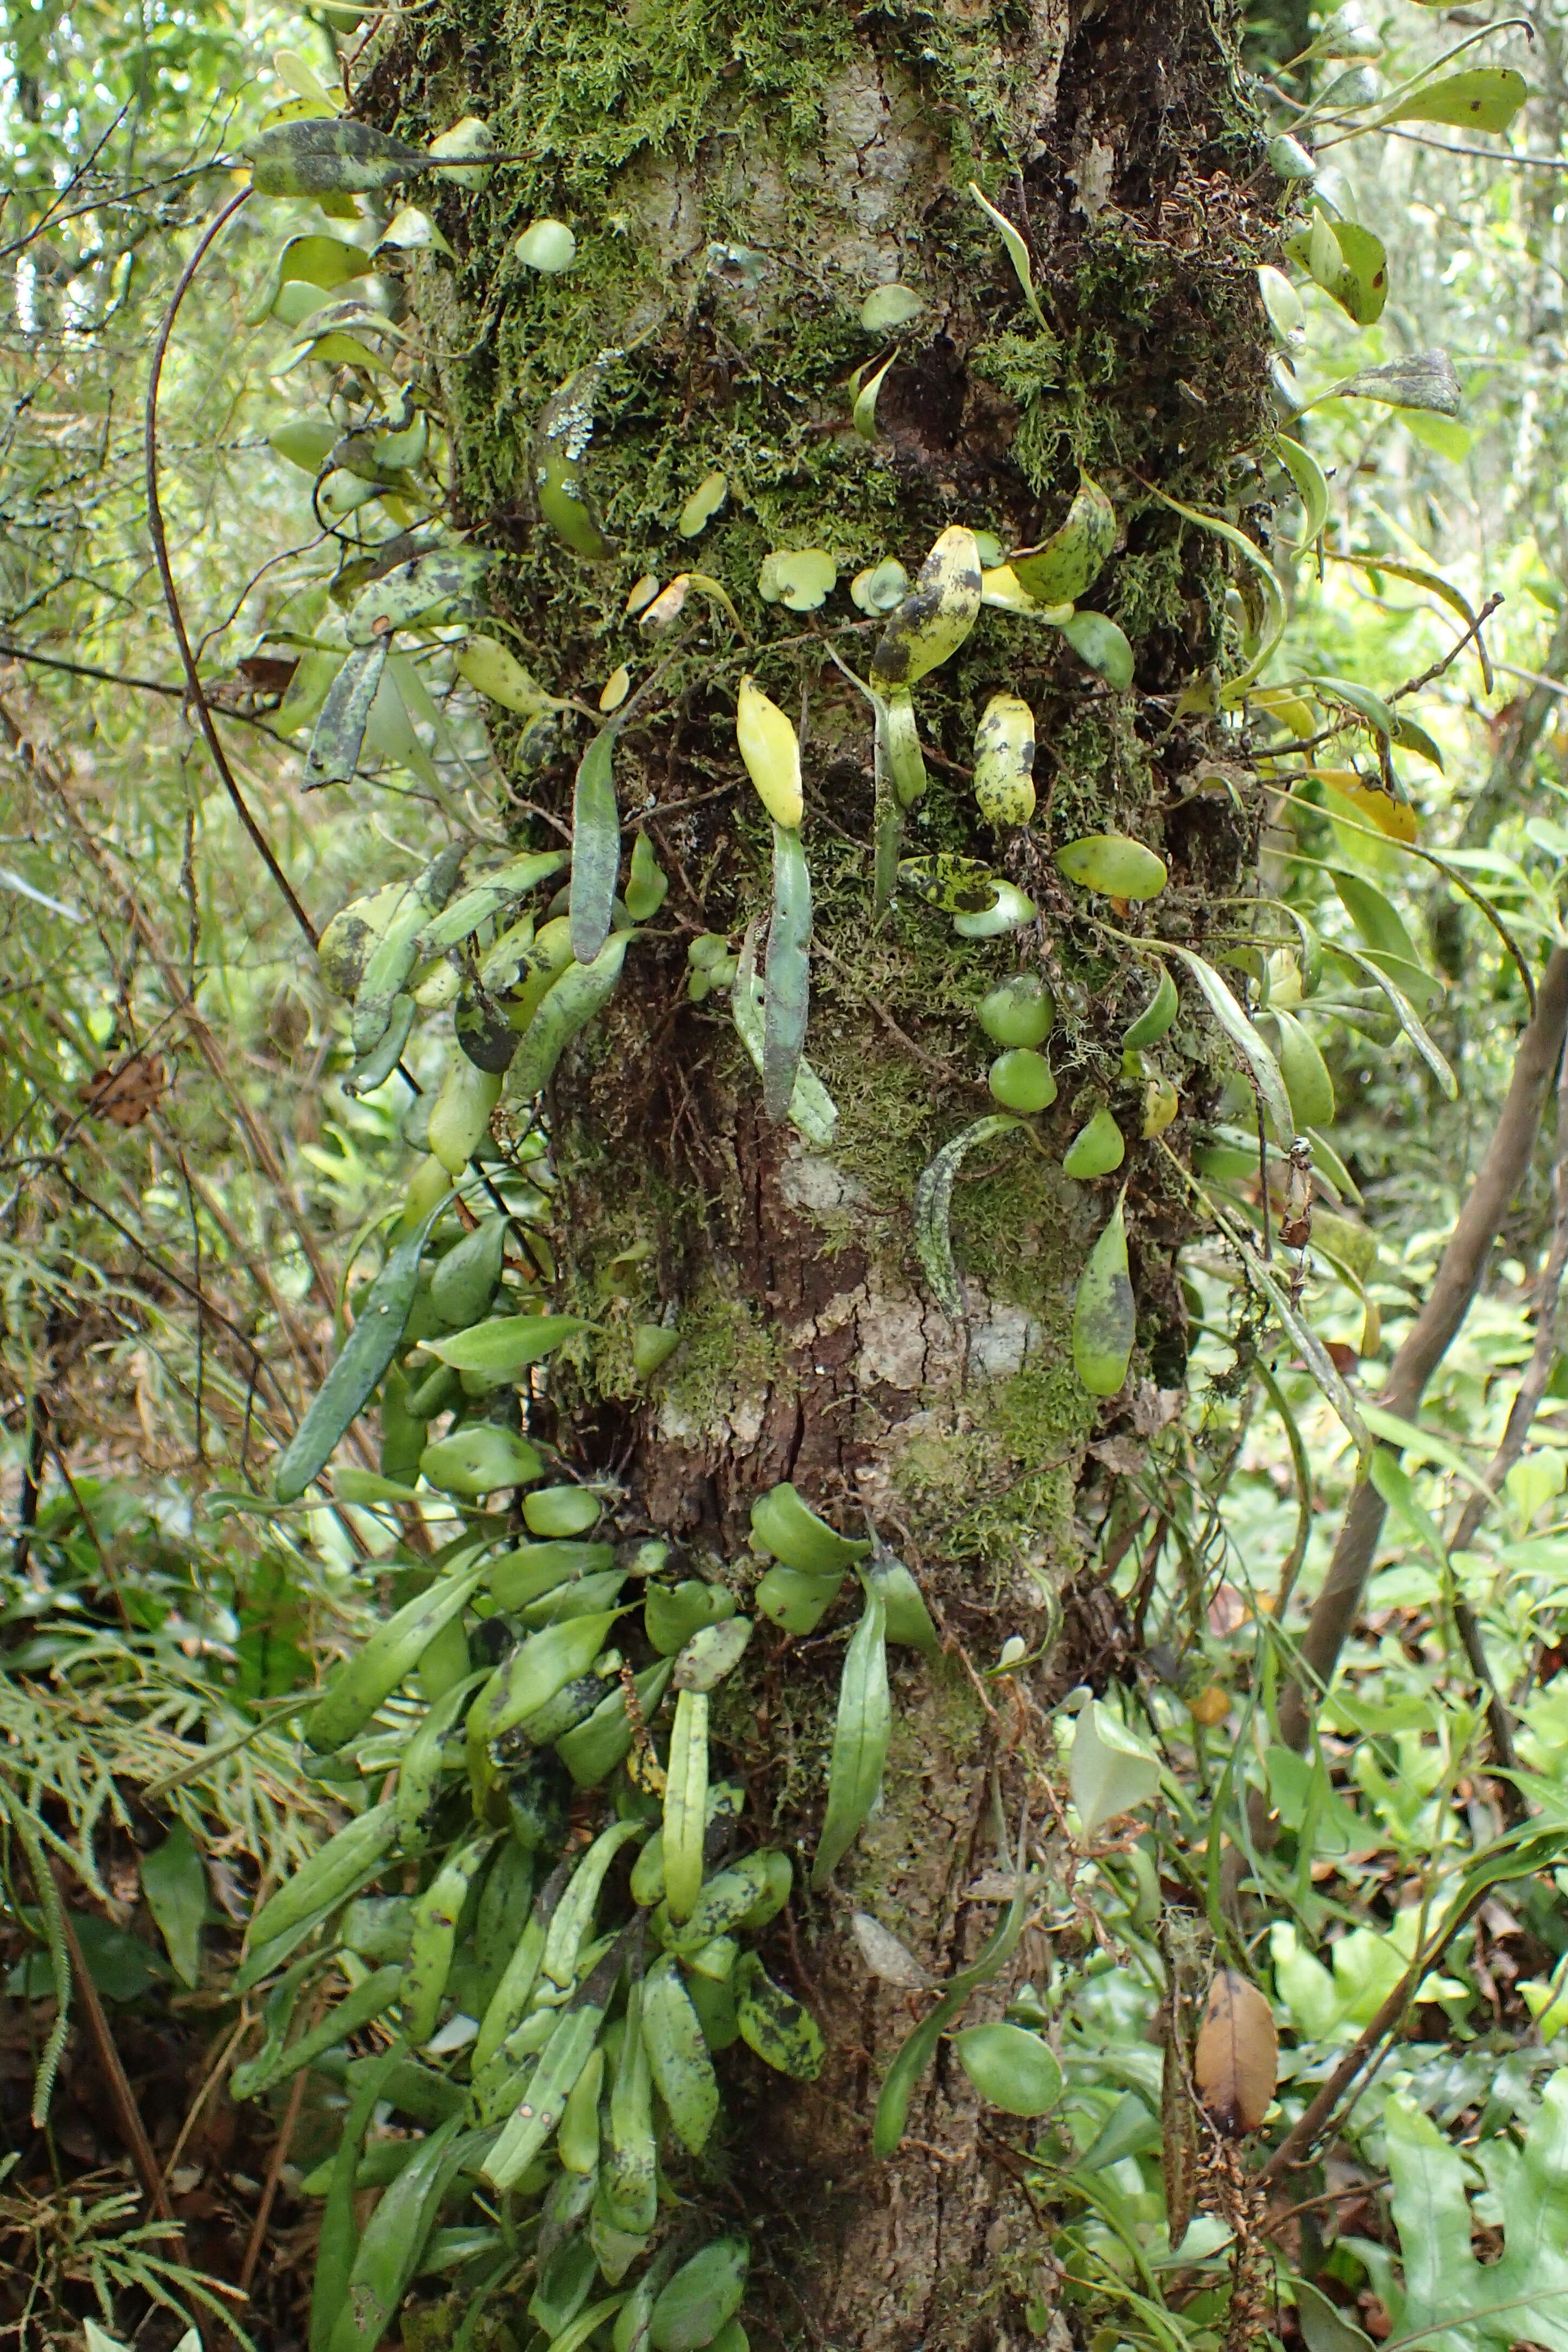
x=1237, y=2055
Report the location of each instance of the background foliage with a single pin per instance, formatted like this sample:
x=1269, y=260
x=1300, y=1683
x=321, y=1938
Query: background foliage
x=176, y=1261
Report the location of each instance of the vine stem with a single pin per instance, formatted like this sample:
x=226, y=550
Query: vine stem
x=242, y=808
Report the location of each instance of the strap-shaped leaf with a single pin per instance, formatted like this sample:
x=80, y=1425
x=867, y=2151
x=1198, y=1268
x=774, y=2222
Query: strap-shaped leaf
x=1017, y=251
x=860, y=1735
x=1234, y=1021
x=348, y=1387
x=812, y=1109
x=595, y=848
x=333, y=757
x=934, y=1208
x=786, y=995
x=1311, y=485
x=1269, y=580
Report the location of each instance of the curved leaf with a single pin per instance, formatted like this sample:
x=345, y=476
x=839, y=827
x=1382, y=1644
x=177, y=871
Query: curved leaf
x=933, y=1206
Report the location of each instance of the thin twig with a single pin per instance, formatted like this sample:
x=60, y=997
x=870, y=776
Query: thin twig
x=1414, y=685
x=220, y=2067
x=279, y=2157
x=123, y=2098
x=1313, y=2123
x=93, y=1537
x=177, y=693
x=242, y=808
x=1521, y=1414
x=1425, y=1345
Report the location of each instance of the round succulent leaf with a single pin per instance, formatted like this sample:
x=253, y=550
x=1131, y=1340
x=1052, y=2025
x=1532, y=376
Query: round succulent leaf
x=712, y=1654
x=888, y=308
x=547, y=246
x=1010, y=2067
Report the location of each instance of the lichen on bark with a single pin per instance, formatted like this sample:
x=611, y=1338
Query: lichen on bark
x=738, y=179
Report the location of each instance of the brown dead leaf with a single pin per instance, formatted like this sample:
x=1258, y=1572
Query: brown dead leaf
x=1237, y=2055
x=1228, y=1611
x=1154, y=1409
x=128, y=1093
x=268, y=673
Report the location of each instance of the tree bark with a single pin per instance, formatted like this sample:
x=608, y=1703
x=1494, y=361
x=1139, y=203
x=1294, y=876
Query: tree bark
x=738, y=181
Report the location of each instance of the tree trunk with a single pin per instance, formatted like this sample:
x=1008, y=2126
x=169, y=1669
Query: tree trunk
x=737, y=180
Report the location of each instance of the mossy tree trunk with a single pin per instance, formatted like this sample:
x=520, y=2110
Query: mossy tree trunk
x=739, y=177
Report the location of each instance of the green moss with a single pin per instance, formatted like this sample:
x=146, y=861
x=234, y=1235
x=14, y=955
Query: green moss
x=728, y=1357
x=998, y=1485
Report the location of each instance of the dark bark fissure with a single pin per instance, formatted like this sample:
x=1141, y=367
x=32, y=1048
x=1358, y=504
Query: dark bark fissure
x=739, y=180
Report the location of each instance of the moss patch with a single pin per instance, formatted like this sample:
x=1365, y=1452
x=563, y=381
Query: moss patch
x=728, y=1356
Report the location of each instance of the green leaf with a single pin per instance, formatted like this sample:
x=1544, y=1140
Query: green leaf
x=933, y=1207
x=1395, y=1485
x=175, y=1882
x=703, y=2294
x=705, y=502
x=1098, y=642
x=354, y=1377
x=1104, y=1311
x=800, y=578
x=647, y=884
x=1283, y=306
x=547, y=246
x=1361, y=698
x=1393, y=977
x=812, y=1110
x=713, y=1651
x=1017, y=251
x=786, y=990
x=916, y=2052
x=1426, y=380
x=595, y=848
x=861, y=1732
x=333, y=757
x=1411, y=736
x=412, y=592
x=324, y=155
x=1376, y=918
x=952, y=883
x=1443, y=2280
x=1273, y=594
x=880, y=587
x=1423, y=1446
x=1350, y=264
x=781, y=2030
x=1109, y=1772
x=1362, y=287
x=1324, y=2325
x=97, y=2340
x=1485, y=98
x=1075, y=555
x=1240, y=1031
x=487, y=897
x=1290, y=158
x=504, y=1346
x=864, y=414
x=412, y=230
x=1010, y=2067
x=888, y=308
x=121, y=1965
x=1312, y=487
x=470, y=138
